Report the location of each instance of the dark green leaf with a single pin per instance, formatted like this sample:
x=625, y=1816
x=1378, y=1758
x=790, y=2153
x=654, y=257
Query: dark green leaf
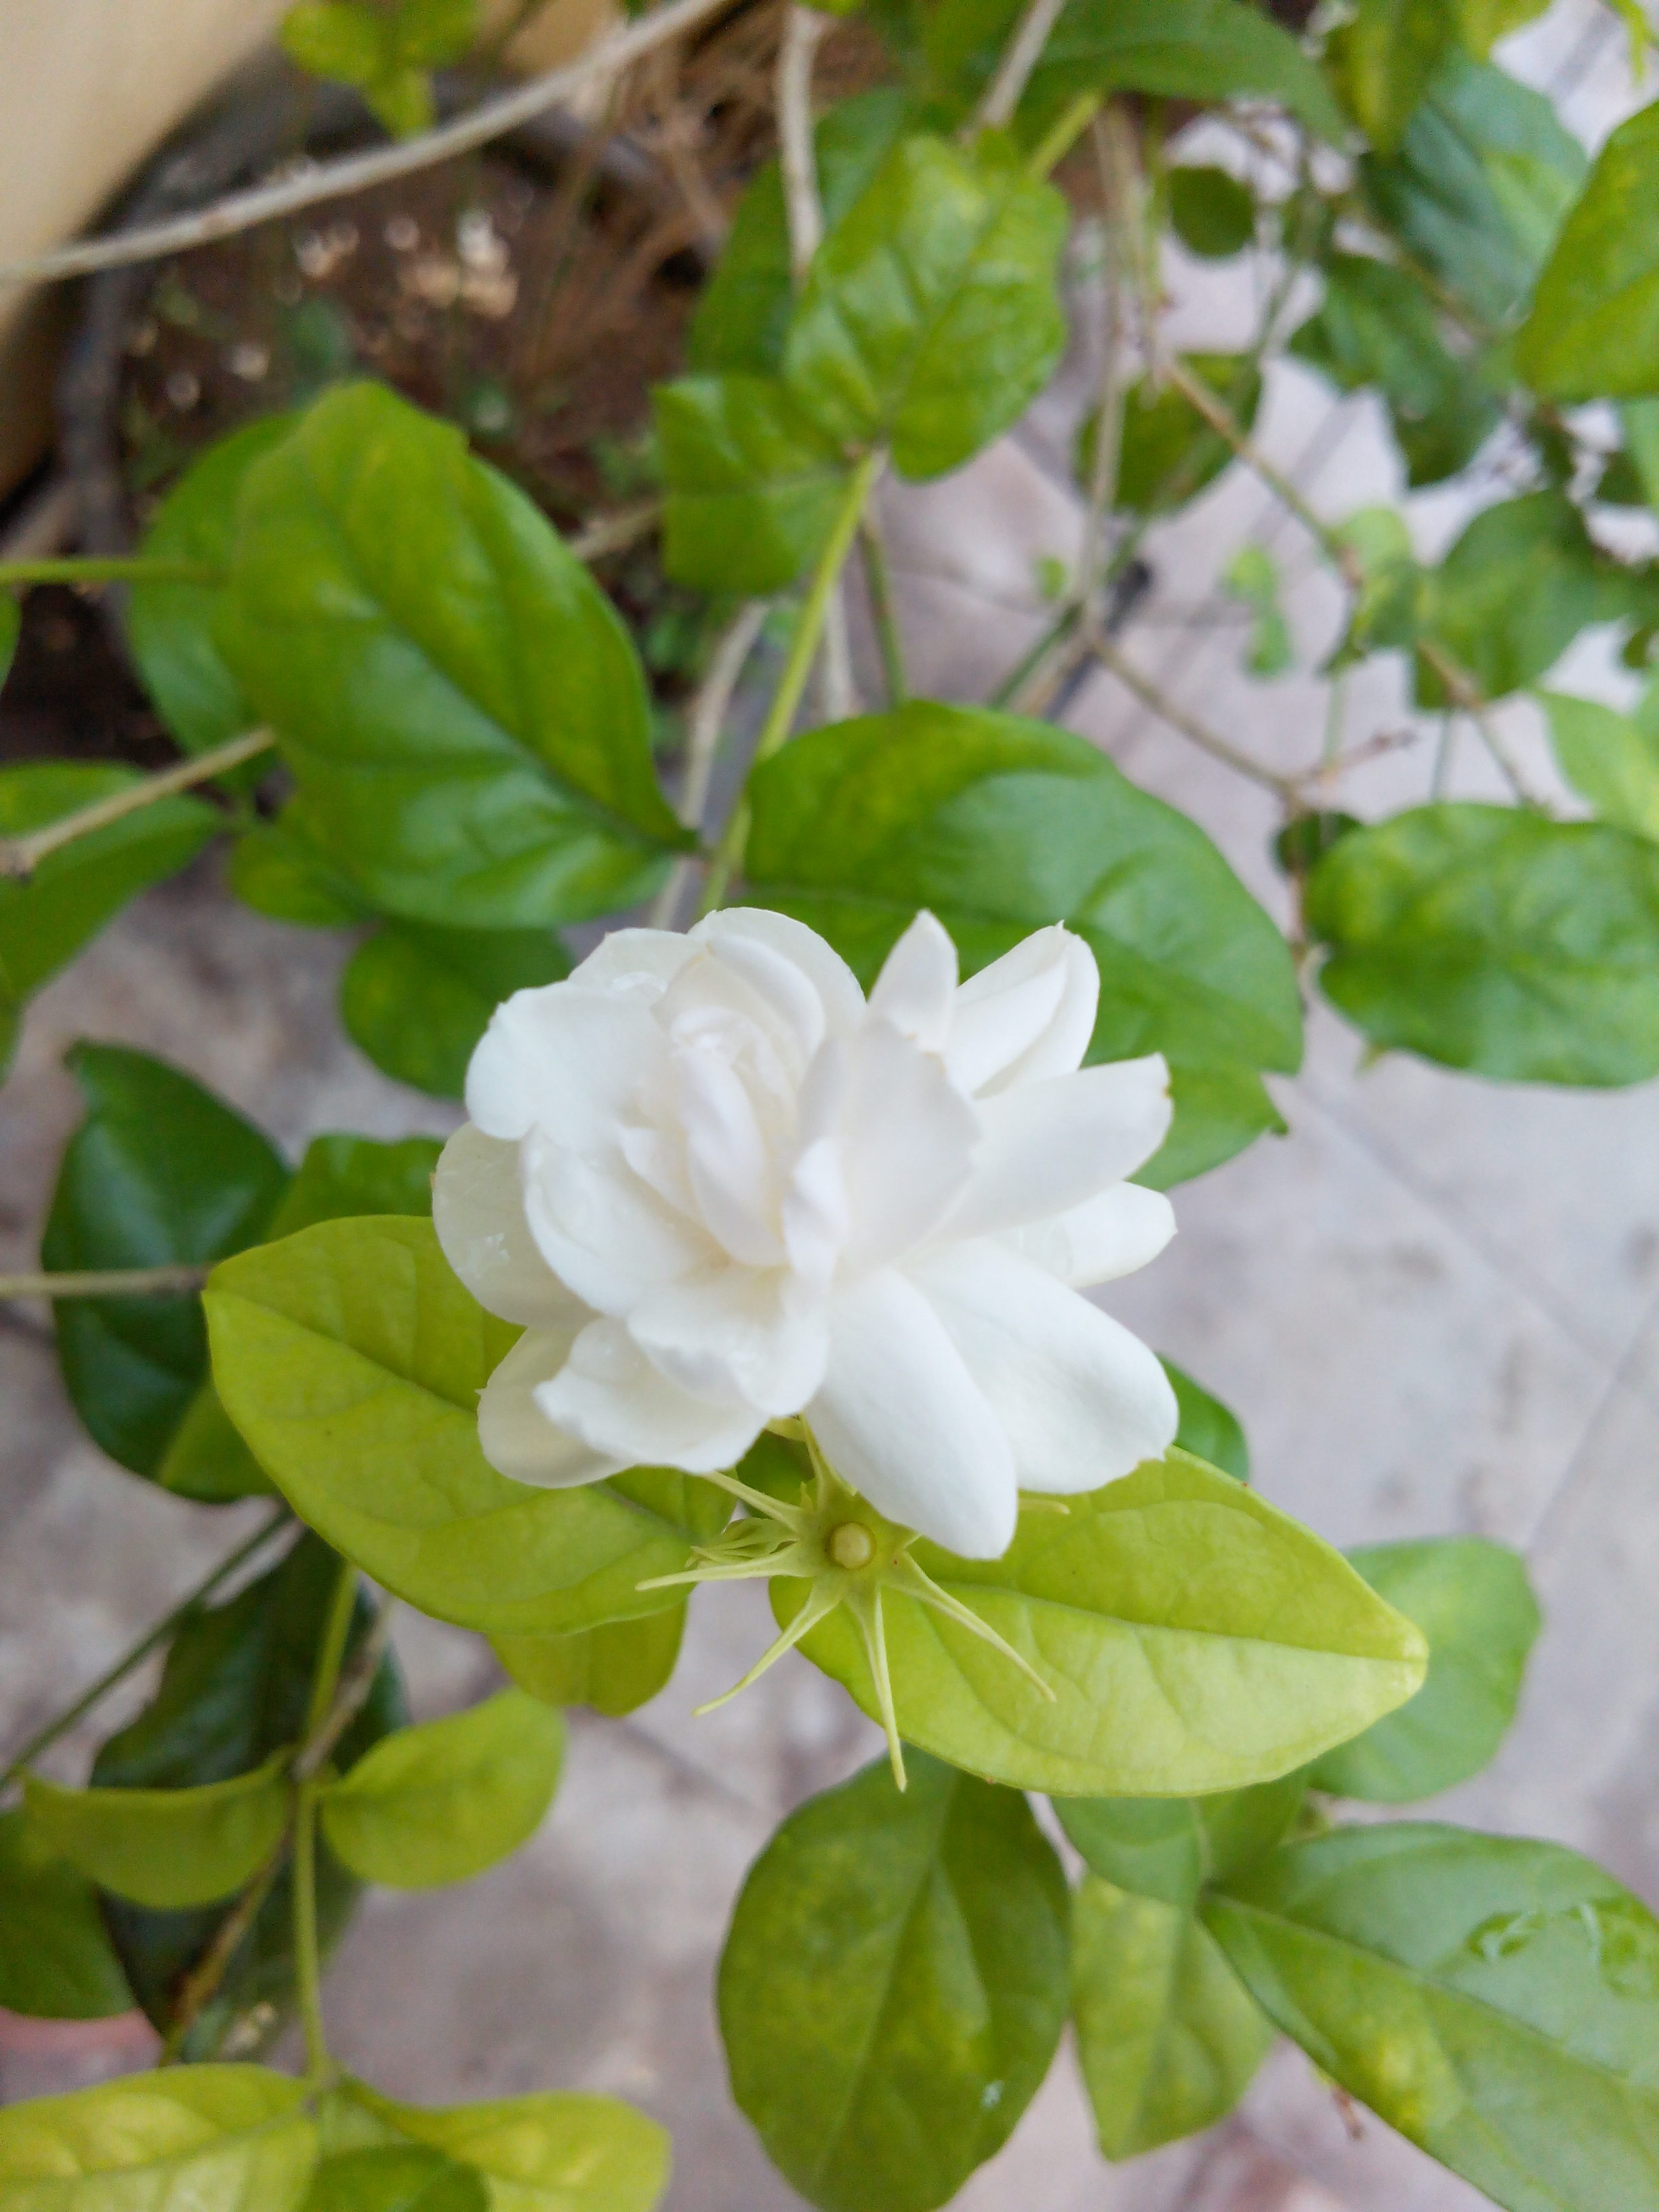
x=1167, y=2037
x=395, y=2177
x=1594, y=330
x=894, y=1985
x=55, y=1961
x=742, y=311
x=1382, y=59
x=929, y=320
x=615, y=1669
x=1511, y=595
x=753, y=485
x=1471, y=1598
x=1168, y=1848
x=159, y=1171
x=417, y=999
x=463, y=710
x=74, y=891
x=1495, y=2000
x=1214, y=215
x=1609, y=758
x=1496, y=940
x=352, y=1360
x=170, y=625
x=278, y=873
x=1168, y=452
x=1209, y=1429
x=11, y=623
x=999, y=826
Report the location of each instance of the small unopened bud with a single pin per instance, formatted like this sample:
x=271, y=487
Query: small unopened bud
x=852, y=1545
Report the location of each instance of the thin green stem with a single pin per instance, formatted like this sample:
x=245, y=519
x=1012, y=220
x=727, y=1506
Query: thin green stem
x=331, y=1650
x=1063, y=134
x=108, y=1282
x=307, y=1963
x=878, y=583
x=21, y=856
x=137, y=1653
x=199, y=1986
x=133, y=568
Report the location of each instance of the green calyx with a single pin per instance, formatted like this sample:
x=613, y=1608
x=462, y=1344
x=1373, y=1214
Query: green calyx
x=849, y=1552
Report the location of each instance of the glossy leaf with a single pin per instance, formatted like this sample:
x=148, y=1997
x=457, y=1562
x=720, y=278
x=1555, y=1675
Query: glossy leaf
x=929, y=318
x=1496, y=940
x=1209, y=1431
x=417, y=999
x=1610, y=759
x=615, y=1669
x=395, y=2177
x=556, y=2151
x=236, y=1687
x=169, y=626
x=752, y=483
x=350, y=1359
x=1479, y=188
x=1594, y=329
x=1000, y=825
x=222, y=2138
x=1212, y=213
x=442, y=1802
x=1511, y=595
x=165, y=1847
x=281, y=874
x=1195, y=1640
x=462, y=709
x=1168, y=1848
x=1167, y=453
x=55, y=1960
x=1382, y=59
x=894, y=1985
x=742, y=311
x=1471, y=1598
x=1494, y=1999
x=74, y=891
x=1167, y=2037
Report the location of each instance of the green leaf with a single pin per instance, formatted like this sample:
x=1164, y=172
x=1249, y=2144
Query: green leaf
x=1481, y=23
x=1382, y=60
x=894, y=1985
x=1201, y=50
x=1001, y=825
x=440, y=1802
x=1168, y=1848
x=1471, y=1598
x=395, y=2177
x=553, y=2152
x=614, y=1669
x=416, y=999
x=1377, y=327
x=461, y=706
x=236, y=1688
x=74, y=891
x=279, y=874
x=165, y=1847
x=1387, y=608
x=159, y=1171
x=1497, y=941
x=1494, y=1999
x=1212, y=213
x=1609, y=758
x=11, y=623
x=930, y=319
x=222, y=2138
x=1511, y=595
x=1479, y=188
x=1638, y=419
x=1168, y=453
x=170, y=625
x=338, y=39
x=1594, y=330
x=351, y=1360
x=1167, y=2039
x=55, y=1960
x=1209, y=1431
x=743, y=311
x=1195, y=1638
x=433, y=31
x=1252, y=575
x=753, y=485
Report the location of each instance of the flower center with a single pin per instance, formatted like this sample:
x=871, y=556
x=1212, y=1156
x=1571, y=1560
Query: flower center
x=852, y=1545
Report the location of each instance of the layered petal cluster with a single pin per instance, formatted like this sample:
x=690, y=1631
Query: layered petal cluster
x=718, y=1187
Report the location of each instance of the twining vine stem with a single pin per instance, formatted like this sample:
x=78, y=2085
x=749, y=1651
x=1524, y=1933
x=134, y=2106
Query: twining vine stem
x=108, y=1282
x=21, y=856
x=708, y=719
x=1019, y=58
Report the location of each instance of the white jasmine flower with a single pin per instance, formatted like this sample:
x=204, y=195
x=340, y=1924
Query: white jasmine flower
x=718, y=1189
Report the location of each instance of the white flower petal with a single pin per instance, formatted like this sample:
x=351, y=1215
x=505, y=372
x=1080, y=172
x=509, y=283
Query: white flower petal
x=1047, y=1146
x=733, y=929
x=742, y=1334
x=517, y=1437
x=916, y=988
x=638, y=963
x=565, y=1059
x=1100, y=1240
x=907, y=1140
x=732, y=1171
x=616, y=1400
x=477, y=1209
x=1081, y=1401
x=1028, y=1016
x=602, y=1229
x=814, y=1209
x=900, y=1419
